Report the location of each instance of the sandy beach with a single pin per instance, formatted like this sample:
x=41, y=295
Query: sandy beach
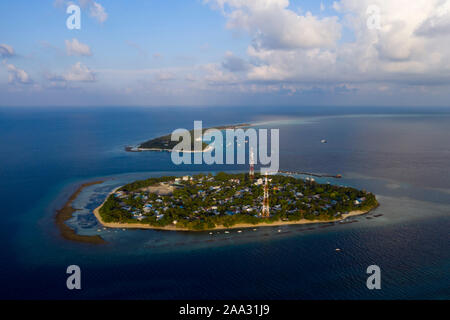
x=207, y=149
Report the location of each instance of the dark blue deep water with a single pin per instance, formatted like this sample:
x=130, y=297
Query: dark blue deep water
x=403, y=156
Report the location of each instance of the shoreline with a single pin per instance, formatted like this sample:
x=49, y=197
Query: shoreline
x=66, y=213
x=139, y=147
x=207, y=149
x=317, y=175
x=117, y=225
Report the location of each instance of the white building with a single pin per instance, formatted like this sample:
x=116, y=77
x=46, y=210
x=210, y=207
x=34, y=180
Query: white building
x=259, y=182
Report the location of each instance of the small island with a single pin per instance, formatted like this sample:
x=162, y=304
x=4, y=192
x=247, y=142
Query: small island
x=224, y=201
x=165, y=143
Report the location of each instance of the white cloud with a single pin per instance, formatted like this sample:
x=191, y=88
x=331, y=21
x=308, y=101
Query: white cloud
x=80, y=73
x=411, y=47
x=76, y=48
x=16, y=75
x=165, y=76
x=6, y=51
x=273, y=26
x=294, y=51
x=215, y=75
x=404, y=44
x=438, y=23
x=98, y=12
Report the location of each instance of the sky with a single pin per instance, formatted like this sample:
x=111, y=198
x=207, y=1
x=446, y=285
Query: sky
x=226, y=53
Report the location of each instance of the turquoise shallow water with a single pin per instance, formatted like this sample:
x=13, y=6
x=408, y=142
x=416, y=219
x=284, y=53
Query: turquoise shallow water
x=403, y=158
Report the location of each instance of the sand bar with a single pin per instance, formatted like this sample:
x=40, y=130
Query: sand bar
x=66, y=213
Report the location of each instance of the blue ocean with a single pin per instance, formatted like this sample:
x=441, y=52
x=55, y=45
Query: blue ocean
x=402, y=155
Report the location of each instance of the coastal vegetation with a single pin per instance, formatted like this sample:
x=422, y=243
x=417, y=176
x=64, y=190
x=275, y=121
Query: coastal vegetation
x=204, y=202
x=165, y=143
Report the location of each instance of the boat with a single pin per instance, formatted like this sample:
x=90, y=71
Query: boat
x=323, y=141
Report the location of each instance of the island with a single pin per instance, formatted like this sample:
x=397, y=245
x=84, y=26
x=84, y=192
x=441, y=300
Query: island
x=165, y=143
x=224, y=201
